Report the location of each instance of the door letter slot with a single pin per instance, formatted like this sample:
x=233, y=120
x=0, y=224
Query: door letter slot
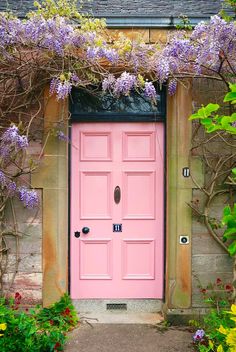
x=117, y=195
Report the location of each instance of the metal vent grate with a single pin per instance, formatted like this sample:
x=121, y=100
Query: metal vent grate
x=116, y=306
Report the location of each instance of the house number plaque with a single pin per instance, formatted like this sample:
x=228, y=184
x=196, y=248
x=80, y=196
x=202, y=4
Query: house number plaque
x=117, y=227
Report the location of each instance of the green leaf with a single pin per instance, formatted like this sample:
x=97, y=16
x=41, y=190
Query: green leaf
x=233, y=117
x=194, y=116
x=212, y=128
x=230, y=96
x=230, y=233
x=232, y=248
x=212, y=108
x=225, y=120
x=232, y=87
x=227, y=210
x=204, y=111
x=206, y=121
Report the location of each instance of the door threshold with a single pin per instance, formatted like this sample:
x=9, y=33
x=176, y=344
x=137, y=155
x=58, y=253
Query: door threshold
x=120, y=311
x=121, y=317
x=131, y=305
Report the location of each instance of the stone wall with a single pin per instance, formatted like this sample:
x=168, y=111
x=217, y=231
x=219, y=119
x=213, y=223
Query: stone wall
x=44, y=235
x=24, y=266
x=209, y=260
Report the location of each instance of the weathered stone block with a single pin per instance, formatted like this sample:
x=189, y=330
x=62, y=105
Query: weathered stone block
x=204, y=263
x=224, y=263
x=158, y=35
x=197, y=172
x=203, y=280
x=133, y=34
x=30, y=240
x=23, y=280
x=204, y=243
x=52, y=173
x=28, y=263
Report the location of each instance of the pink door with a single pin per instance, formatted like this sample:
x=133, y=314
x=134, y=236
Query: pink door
x=117, y=192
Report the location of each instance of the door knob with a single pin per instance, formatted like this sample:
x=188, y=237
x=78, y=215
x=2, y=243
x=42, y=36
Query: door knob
x=85, y=230
x=77, y=234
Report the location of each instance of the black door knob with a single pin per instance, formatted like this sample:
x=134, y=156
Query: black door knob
x=77, y=234
x=85, y=230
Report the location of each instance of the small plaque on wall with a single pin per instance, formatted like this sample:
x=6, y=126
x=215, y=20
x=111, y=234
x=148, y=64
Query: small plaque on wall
x=117, y=227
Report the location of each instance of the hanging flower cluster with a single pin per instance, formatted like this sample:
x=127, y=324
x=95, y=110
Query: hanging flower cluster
x=90, y=55
x=12, y=144
x=28, y=197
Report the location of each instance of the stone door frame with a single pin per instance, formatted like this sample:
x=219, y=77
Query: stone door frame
x=53, y=178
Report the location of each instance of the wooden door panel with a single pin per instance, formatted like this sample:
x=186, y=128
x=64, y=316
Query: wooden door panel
x=95, y=195
x=127, y=157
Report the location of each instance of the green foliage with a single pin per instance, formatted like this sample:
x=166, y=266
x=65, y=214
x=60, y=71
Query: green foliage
x=229, y=220
x=230, y=4
x=52, y=8
x=40, y=330
x=205, y=112
x=93, y=24
x=231, y=96
x=61, y=314
x=213, y=339
x=208, y=336
x=229, y=333
x=184, y=23
x=212, y=121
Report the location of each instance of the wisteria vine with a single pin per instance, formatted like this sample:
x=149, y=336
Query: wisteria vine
x=79, y=57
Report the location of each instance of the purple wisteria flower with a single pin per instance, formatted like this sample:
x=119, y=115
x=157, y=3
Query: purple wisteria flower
x=7, y=186
x=62, y=137
x=28, y=197
x=11, y=188
x=61, y=88
x=210, y=48
x=108, y=83
x=12, y=136
x=53, y=85
x=12, y=143
x=199, y=335
x=3, y=179
x=125, y=83
x=75, y=79
x=150, y=91
x=111, y=55
x=53, y=34
x=162, y=69
x=172, y=86
x=95, y=53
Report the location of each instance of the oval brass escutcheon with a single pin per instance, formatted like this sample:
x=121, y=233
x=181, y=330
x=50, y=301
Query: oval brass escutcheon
x=117, y=195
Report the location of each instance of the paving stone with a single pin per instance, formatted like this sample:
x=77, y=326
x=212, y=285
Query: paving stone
x=128, y=338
